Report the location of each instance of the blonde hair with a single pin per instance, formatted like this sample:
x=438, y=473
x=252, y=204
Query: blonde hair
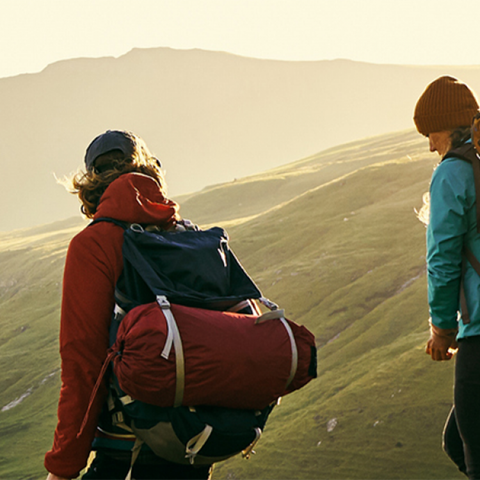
x=424, y=213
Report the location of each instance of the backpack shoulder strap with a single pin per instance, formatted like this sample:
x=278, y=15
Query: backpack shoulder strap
x=468, y=153
x=111, y=220
x=181, y=225
x=465, y=152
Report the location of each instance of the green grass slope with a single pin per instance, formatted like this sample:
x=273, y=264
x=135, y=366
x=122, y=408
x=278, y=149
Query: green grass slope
x=334, y=240
x=347, y=260
x=31, y=266
x=243, y=198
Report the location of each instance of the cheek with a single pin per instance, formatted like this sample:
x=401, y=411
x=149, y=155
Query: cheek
x=446, y=145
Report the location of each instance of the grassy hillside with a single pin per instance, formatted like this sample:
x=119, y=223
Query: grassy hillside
x=31, y=264
x=335, y=241
x=347, y=260
x=242, y=198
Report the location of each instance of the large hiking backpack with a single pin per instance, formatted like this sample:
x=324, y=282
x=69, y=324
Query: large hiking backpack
x=193, y=380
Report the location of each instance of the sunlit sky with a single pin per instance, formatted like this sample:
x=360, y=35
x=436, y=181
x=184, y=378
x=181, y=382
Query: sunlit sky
x=35, y=33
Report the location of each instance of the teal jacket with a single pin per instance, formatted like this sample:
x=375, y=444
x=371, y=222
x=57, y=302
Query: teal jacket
x=452, y=225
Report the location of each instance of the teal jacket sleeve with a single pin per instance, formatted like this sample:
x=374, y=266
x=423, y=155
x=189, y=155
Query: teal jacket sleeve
x=450, y=206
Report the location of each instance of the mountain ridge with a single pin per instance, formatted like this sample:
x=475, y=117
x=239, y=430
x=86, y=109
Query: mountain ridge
x=210, y=117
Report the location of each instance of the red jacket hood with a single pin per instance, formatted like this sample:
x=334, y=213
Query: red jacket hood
x=136, y=198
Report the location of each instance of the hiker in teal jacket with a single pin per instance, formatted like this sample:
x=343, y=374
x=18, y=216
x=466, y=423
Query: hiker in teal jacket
x=444, y=114
x=452, y=225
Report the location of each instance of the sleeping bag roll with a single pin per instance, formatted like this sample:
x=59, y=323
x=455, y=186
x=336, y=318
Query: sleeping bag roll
x=208, y=357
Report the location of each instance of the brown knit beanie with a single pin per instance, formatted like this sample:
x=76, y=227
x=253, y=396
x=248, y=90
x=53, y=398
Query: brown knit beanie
x=445, y=104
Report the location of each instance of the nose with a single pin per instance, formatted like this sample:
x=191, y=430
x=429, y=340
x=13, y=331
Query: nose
x=431, y=144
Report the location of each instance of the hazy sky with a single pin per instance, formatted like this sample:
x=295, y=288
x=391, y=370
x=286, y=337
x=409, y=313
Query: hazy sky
x=35, y=33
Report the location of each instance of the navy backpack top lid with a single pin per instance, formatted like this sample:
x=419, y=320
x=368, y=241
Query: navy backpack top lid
x=193, y=267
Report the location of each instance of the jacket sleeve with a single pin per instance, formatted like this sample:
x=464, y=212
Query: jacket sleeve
x=90, y=275
x=449, y=202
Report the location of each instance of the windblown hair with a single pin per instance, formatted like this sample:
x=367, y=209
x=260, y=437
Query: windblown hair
x=90, y=185
x=424, y=213
x=457, y=138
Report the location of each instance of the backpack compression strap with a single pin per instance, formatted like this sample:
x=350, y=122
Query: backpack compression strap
x=280, y=315
x=173, y=338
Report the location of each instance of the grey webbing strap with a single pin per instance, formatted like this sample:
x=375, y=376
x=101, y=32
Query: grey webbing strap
x=268, y=303
x=250, y=449
x=135, y=451
x=126, y=400
x=195, y=444
x=239, y=306
x=173, y=337
x=293, y=369
x=118, y=313
x=273, y=315
x=280, y=315
x=244, y=305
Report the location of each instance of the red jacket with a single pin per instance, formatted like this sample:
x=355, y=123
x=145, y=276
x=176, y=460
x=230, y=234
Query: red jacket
x=93, y=265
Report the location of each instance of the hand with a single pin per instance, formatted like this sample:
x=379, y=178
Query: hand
x=51, y=476
x=442, y=344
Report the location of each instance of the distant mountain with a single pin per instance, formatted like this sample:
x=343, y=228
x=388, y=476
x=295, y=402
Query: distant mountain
x=210, y=116
x=334, y=239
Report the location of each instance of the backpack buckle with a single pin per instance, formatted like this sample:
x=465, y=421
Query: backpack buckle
x=163, y=302
x=137, y=228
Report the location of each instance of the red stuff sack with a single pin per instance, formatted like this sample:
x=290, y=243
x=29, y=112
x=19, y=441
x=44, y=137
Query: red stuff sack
x=177, y=355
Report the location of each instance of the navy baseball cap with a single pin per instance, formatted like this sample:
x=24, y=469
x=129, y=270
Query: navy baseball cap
x=106, y=142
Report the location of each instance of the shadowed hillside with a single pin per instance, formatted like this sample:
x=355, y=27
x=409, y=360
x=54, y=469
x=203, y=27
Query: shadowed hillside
x=210, y=116
x=334, y=240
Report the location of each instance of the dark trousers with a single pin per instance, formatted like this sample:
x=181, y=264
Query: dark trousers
x=113, y=465
x=461, y=437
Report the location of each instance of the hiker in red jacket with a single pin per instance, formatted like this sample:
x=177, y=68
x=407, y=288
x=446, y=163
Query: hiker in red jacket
x=122, y=181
